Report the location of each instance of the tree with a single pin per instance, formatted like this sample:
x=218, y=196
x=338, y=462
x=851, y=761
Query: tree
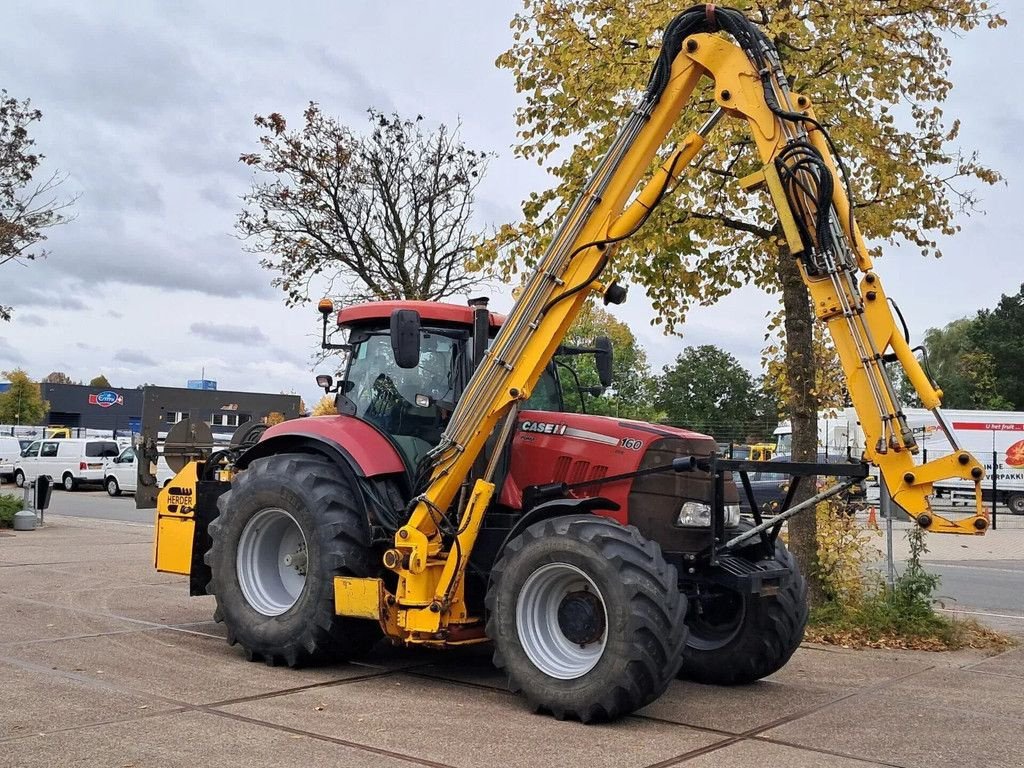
x=708, y=390
x=962, y=359
x=631, y=395
x=385, y=215
x=59, y=377
x=99, y=381
x=860, y=62
x=324, y=407
x=28, y=206
x=997, y=361
x=22, y=403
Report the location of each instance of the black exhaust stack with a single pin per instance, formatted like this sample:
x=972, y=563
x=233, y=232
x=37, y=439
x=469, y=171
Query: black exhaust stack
x=481, y=329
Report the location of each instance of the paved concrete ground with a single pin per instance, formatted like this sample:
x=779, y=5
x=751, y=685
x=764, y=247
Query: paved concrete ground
x=104, y=662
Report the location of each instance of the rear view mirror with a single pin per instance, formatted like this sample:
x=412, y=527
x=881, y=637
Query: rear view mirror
x=603, y=359
x=405, y=337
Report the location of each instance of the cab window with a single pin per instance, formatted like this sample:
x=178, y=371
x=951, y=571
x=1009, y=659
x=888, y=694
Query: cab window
x=547, y=395
x=32, y=451
x=49, y=450
x=410, y=404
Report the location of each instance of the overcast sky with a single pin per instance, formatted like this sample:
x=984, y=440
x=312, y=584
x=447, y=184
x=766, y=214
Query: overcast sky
x=147, y=106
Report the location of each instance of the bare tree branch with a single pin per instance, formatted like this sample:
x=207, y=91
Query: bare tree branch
x=26, y=209
x=386, y=215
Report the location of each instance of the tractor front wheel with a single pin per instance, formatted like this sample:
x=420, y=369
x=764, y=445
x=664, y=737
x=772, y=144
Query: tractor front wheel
x=586, y=618
x=287, y=527
x=738, y=638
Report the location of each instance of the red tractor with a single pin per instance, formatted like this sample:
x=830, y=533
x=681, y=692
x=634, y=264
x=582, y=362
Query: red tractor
x=323, y=496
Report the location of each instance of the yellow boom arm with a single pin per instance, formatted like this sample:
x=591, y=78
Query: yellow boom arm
x=801, y=175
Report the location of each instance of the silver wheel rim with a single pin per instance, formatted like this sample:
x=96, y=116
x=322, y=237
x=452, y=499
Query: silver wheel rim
x=271, y=561
x=540, y=632
x=69, y=482
x=111, y=486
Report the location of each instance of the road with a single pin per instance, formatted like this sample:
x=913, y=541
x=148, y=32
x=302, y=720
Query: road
x=989, y=587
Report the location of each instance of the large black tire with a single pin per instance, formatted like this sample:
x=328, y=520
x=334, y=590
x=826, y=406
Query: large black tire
x=643, y=632
x=738, y=638
x=315, y=494
x=1016, y=503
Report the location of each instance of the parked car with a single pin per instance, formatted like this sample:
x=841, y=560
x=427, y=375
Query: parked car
x=10, y=452
x=69, y=462
x=770, y=488
x=122, y=473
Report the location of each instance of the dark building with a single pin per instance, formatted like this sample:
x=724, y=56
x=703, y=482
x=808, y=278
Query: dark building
x=120, y=410
x=80, y=407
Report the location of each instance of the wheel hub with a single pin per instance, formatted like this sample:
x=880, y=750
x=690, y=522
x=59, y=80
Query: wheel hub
x=581, y=617
x=561, y=621
x=271, y=561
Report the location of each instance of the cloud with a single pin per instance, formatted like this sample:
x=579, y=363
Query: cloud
x=133, y=357
x=230, y=334
x=34, y=292
x=8, y=354
x=114, y=314
x=36, y=320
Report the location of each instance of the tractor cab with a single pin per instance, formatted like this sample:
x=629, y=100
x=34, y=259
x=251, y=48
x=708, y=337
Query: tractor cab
x=406, y=364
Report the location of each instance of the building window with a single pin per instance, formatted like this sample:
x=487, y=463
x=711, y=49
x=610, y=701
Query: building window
x=225, y=419
x=173, y=417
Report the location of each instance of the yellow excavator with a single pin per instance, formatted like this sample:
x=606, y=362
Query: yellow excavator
x=452, y=501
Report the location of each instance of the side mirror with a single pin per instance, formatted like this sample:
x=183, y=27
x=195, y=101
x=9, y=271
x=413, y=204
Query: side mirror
x=604, y=359
x=405, y=337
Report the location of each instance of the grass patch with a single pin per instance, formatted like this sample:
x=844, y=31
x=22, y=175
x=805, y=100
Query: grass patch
x=901, y=616
x=879, y=623
x=9, y=505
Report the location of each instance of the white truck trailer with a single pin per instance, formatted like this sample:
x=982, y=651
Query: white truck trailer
x=996, y=438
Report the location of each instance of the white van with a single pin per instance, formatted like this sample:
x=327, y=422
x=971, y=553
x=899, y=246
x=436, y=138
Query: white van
x=69, y=462
x=122, y=473
x=10, y=452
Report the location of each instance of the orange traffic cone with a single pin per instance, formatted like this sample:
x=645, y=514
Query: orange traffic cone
x=872, y=518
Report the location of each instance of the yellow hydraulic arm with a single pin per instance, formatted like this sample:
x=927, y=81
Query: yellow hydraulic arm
x=801, y=174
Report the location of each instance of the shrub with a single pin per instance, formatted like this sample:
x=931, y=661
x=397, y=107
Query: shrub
x=9, y=505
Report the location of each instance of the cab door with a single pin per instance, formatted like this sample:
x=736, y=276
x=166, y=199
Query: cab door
x=124, y=470
x=48, y=463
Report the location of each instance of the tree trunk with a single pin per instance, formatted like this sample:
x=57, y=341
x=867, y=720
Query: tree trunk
x=803, y=414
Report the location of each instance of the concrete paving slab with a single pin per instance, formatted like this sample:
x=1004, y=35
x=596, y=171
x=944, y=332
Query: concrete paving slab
x=758, y=753
x=36, y=703
x=1009, y=663
x=185, y=667
x=185, y=740
x=736, y=709
x=849, y=669
x=25, y=621
x=472, y=727
x=471, y=665
x=164, y=604
x=109, y=569
x=939, y=718
x=138, y=550
x=812, y=678
x=29, y=580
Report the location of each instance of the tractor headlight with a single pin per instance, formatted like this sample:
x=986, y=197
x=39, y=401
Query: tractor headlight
x=695, y=514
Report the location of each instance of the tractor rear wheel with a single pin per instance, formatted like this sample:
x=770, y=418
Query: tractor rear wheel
x=737, y=638
x=586, y=617
x=287, y=527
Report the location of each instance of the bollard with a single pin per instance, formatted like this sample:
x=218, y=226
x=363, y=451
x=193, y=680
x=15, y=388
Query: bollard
x=25, y=520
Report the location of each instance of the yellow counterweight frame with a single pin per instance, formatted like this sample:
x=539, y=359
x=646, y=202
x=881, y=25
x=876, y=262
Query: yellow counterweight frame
x=427, y=606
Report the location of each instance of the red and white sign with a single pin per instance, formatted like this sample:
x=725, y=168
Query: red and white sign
x=989, y=426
